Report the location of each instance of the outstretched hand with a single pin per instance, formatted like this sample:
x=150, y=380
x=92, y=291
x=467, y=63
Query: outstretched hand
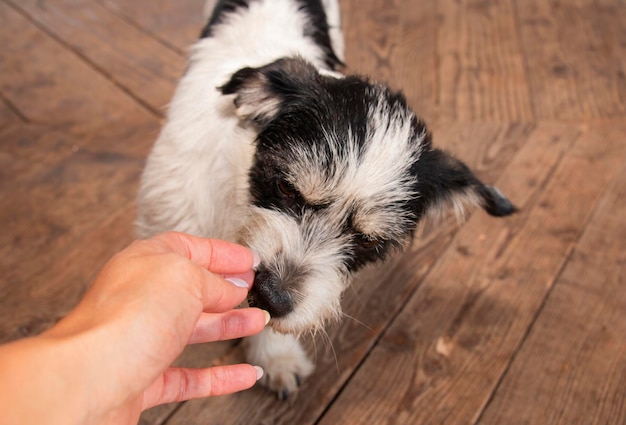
x=145, y=306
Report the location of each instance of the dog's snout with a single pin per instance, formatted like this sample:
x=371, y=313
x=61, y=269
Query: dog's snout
x=268, y=294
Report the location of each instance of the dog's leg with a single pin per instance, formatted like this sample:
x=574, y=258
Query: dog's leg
x=282, y=358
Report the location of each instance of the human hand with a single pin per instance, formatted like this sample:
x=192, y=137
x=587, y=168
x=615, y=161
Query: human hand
x=145, y=306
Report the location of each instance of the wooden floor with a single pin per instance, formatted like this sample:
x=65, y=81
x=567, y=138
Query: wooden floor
x=495, y=321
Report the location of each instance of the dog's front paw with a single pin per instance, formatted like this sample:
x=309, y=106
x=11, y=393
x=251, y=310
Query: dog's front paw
x=284, y=361
x=284, y=372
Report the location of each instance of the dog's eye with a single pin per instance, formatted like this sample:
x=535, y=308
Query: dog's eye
x=366, y=243
x=287, y=189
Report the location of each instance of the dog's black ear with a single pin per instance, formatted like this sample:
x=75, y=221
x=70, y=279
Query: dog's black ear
x=443, y=180
x=260, y=92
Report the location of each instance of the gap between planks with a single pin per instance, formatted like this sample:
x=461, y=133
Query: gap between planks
x=154, y=111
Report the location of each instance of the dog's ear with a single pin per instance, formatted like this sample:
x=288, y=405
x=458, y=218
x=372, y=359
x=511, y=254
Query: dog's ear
x=443, y=180
x=260, y=92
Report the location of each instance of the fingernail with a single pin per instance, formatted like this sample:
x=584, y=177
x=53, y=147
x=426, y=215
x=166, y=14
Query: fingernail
x=259, y=372
x=256, y=261
x=267, y=316
x=238, y=282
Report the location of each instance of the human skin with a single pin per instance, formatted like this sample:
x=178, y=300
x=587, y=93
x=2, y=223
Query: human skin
x=110, y=357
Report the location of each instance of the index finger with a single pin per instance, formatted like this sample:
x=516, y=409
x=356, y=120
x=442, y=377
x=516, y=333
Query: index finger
x=215, y=255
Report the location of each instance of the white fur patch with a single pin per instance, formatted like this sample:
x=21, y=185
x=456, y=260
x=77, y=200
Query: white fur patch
x=195, y=179
x=367, y=182
x=312, y=245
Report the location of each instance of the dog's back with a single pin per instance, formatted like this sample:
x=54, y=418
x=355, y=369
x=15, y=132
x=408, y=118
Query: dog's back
x=195, y=179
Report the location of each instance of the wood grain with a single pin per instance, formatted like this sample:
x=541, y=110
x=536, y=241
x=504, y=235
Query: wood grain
x=380, y=33
x=574, y=57
x=34, y=78
x=176, y=24
x=136, y=62
x=68, y=166
x=9, y=114
x=481, y=73
x=59, y=279
x=572, y=367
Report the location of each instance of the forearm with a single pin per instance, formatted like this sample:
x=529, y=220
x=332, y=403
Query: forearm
x=41, y=382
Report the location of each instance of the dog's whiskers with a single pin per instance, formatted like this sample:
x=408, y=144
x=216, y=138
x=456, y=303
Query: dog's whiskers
x=354, y=319
x=328, y=340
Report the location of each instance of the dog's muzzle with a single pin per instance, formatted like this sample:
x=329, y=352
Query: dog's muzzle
x=268, y=293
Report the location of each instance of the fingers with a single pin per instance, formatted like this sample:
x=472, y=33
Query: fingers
x=215, y=255
x=180, y=384
x=219, y=294
x=232, y=324
x=248, y=276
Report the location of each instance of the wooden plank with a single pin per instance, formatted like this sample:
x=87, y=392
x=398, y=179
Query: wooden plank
x=486, y=147
x=380, y=34
x=52, y=86
x=175, y=23
x=572, y=368
x=57, y=287
x=442, y=357
x=574, y=56
x=69, y=165
x=481, y=72
x=54, y=192
x=138, y=63
x=80, y=150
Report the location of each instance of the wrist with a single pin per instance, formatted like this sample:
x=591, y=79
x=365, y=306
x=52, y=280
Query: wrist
x=90, y=362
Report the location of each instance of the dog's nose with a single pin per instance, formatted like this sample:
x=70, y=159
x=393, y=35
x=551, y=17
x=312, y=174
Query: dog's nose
x=268, y=294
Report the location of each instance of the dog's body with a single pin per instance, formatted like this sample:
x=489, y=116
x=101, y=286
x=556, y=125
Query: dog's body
x=318, y=173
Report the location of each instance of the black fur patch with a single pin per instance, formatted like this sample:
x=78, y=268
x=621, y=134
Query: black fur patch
x=308, y=109
x=222, y=8
x=361, y=255
x=311, y=107
x=316, y=28
x=441, y=176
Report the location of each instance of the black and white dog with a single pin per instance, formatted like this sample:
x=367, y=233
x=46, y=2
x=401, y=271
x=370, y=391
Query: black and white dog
x=266, y=144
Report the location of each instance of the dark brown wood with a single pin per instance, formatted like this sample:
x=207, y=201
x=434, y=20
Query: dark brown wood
x=145, y=68
x=574, y=54
x=59, y=180
x=481, y=73
x=379, y=33
x=572, y=367
x=491, y=321
x=8, y=114
x=51, y=85
x=78, y=118
x=176, y=24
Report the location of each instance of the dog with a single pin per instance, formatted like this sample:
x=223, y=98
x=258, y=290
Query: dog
x=268, y=145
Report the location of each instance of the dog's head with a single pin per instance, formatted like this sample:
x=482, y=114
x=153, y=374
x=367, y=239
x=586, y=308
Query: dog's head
x=342, y=174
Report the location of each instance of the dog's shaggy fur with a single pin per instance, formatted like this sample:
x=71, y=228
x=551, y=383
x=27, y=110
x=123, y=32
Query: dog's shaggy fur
x=267, y=145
